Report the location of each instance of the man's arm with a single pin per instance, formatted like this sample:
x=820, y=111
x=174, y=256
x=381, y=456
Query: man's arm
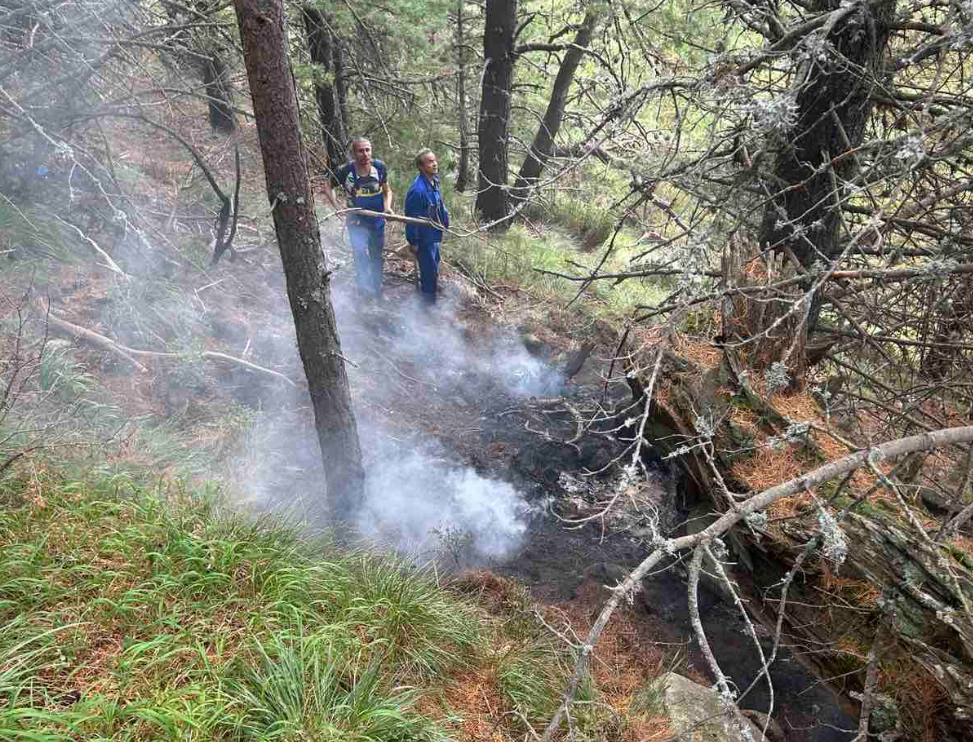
x=330, y=182
x=387, y=193
x=329, y=194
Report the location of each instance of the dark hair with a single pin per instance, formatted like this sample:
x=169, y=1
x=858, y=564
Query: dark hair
x=422, y=153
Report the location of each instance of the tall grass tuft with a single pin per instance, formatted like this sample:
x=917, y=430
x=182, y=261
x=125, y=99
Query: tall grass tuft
x=317, y=688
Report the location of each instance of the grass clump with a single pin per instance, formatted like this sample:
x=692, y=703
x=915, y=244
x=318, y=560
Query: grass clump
x=129, y=614
x=134, y=615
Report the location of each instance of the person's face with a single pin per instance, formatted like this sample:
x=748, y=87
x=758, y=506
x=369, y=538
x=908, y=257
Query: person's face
x=429, y=165
x=363, y=153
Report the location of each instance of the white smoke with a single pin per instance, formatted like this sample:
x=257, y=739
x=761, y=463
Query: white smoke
x=420, y=499
x=419, y=504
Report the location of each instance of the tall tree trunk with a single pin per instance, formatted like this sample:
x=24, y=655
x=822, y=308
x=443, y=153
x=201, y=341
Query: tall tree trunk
x=219, y=97
x=492, y=199
x=543, y=146
x=463, y=174
x=264, y=42
x=341, y=92
x=320, y=43
x=833, y=106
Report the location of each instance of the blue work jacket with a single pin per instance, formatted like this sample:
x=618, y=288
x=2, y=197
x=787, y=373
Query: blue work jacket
x=425, y=201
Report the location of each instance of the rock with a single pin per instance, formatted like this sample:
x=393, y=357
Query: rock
x=688, y=704
x=775, y=733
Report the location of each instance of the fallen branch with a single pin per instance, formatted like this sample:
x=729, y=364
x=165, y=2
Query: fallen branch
x=130, y=354
x=111, y=263
x=757, y=503
x=94, y=338
x=389, y=217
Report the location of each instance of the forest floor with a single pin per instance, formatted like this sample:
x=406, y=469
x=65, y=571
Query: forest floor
x=478, y=446
x=479, y=384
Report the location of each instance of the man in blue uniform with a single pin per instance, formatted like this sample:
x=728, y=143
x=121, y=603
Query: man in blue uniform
x=366, y=185
x=425, y=201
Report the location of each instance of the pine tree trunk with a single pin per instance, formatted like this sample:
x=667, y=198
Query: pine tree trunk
x=833, y=107
x=219, y=97
x=320, y=44
x=463, y=172
x=543, y=146
x=262, y=34
x=341, y=93
x=492, y=199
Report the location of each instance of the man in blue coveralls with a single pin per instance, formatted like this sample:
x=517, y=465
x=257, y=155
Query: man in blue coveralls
x=425, y=201
x=366, y=184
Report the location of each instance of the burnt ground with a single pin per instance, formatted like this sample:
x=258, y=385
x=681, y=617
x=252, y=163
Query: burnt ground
x=459, y=389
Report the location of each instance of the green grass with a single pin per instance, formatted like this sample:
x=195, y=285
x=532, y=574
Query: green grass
x=516, y=257
x=134, y=615
x=36, y=234
x=587, y=220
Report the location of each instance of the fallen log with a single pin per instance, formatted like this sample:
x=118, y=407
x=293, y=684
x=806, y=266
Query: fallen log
x=711, y=423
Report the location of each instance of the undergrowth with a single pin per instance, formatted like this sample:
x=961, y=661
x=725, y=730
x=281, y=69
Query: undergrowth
x=128, y=614
x=535, y=260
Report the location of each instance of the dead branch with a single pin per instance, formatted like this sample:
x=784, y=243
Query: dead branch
x=129, y=354
x=757, y=503
x=222, y=245
x=111, y=263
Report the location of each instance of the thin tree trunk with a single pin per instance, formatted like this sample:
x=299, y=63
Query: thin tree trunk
x=320, y=44
x=543, y=146
x=218, y=93
x=492, y=199
x=463, y=174
x=262, y=34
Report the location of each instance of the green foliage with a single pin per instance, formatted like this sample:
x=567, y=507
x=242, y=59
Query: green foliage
x=317, y=688
x=586, y=219
x=533, y=679
x=61, y=374
x=135, y=615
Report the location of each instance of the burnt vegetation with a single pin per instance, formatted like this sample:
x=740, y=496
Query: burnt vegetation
x=750, y=222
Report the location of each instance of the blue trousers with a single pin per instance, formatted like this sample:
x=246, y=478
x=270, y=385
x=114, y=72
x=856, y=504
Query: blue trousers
x=428, y=257
x=368, y=248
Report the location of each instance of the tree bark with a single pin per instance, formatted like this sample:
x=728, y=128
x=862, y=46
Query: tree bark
x=543, y=146
x=833, y=106
x=262, y=34
x=492, y=199
x=341, y=91
x=463, y=172
x=321, y=43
